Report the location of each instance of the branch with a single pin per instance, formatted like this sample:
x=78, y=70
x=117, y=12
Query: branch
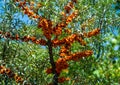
x=23, y=39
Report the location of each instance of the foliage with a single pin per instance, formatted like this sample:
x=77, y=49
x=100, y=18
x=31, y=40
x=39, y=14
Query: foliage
x=30, y=60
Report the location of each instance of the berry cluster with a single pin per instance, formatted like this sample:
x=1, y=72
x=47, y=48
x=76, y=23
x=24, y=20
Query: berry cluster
x=62, y=64
x=10, y=74
x=24, y=39
x=92, y=33
x=28, y=10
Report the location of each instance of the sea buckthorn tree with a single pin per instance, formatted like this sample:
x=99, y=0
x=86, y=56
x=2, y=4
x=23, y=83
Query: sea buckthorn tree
x=59, y=33
x=52, y=39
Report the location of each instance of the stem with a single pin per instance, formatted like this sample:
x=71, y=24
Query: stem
x=55, y=77
x=4, y=51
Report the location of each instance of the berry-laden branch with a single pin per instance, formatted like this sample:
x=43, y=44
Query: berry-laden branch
x=11, y=74
x=8, y=72
x=65, y=55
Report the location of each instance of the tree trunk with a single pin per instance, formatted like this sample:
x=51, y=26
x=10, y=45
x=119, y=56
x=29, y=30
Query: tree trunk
x=55, y=77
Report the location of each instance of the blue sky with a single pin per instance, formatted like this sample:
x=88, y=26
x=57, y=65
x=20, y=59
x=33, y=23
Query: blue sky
x=1, y=4
x=24, y=18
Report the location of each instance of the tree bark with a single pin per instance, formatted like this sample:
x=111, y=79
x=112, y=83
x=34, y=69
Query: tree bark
x=55, y=77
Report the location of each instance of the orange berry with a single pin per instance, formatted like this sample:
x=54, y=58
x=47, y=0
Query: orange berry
x=61, y=79
x=49, y=70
